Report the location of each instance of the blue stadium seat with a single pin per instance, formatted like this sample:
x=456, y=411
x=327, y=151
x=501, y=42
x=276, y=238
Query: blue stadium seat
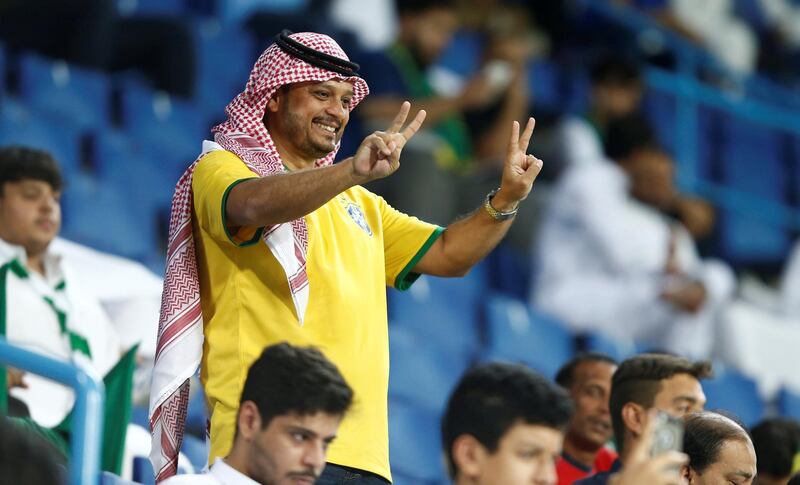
x=444, y=309
x=2, y=72
x=119, y=160
x=108, y=478
x=421, y=372
x=143, y=471
x=88, y=201
x=789, y=403
x=20, y=126
x=598, y=342
x=75, y=95
x=196, y=450
x=736, y=393
x=236, y=11
x=462, y=56
x=660, y=109
x=748, y=147
x=509, y=271
x=216, y=87
x=415, y=448
x=544, y=84
x=518, y=333
x=169, y=130
x=128, y=7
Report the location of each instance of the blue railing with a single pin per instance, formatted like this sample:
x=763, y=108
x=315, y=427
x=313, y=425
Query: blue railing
x=689, y=57
x=690, y=95
x=87, y=424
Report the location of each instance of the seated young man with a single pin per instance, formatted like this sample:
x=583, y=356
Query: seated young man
x=291, y=406
x=642, y=383
x=47, y=310
x=504, y=424
x=587, y=378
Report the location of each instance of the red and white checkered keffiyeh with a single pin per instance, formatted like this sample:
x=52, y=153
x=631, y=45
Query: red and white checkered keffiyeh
x=180, y=331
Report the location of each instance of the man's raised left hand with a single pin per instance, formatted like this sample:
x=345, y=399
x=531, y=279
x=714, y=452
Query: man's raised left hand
x=519, y=169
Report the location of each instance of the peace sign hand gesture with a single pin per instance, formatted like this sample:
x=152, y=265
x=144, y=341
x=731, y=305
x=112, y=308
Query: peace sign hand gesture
x=519, y=169
x=379, y=153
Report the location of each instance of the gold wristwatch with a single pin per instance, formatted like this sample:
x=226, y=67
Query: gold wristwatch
x=494, y=213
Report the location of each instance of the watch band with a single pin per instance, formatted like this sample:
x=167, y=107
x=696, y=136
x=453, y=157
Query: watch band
x=494, y=213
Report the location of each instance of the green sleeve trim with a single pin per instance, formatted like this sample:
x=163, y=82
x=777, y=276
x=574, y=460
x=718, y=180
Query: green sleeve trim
x=406, y=277
x=258, y=233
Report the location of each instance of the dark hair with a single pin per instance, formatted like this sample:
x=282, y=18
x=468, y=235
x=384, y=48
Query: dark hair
x=19, y=163
x=613, y=69
x=704, y=435
x=795, y=480
x=417, y=6
x=627, y=134
x=490, y=398
x=27, y=458
x=288, y=379
x=566, y=375
x=777, y=441
x=638, y=380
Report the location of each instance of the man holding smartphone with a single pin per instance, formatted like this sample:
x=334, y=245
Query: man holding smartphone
x=667, y=383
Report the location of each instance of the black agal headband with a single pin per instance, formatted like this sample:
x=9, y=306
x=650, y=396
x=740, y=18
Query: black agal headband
x=314, y=57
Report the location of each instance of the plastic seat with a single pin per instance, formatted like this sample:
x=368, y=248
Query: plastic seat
x=20, y=126
x=509, y=272
x=746, y=148
x=415, y=448
x=108, y=478
x=216, y=87
x=789, y=403
x=736, y=393
x=236, y=11
x=660, y=109
x=69, y=93
x=420, y=371
x=87, y=202
x=445, y=309
x=598, y=342
x=520, y=334
x=2, y=71
x=167, y=129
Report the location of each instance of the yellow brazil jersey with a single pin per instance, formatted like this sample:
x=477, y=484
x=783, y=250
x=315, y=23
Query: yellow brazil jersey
x=357, y=244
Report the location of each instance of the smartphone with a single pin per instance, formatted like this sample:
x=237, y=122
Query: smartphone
x=667, y=435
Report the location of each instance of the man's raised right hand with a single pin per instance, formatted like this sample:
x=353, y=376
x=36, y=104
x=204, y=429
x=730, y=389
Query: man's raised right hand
x=378, y=155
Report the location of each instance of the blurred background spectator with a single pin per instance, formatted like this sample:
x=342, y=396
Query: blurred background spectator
x=119, y=91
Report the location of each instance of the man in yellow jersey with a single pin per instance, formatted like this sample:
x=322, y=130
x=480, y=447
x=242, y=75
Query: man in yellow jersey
x=270, y=241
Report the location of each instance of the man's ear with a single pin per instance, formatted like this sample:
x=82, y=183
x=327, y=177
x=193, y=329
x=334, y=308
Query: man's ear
x=274, y=102
x=249, y=420
x=468, y=456
x=687, y=474
x=634, y=417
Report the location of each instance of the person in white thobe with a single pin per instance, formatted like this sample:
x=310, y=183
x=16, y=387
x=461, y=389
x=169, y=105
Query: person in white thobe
x=607, y=262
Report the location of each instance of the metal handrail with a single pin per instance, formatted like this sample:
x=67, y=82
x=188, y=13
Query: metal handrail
x=87, y=420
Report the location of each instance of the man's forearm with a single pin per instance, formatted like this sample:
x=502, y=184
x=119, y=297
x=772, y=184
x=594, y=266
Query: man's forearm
x=467, y=241
x=284, y=197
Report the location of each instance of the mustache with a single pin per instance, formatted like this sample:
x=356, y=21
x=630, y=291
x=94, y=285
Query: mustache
x=306, y=474
x=332, y=121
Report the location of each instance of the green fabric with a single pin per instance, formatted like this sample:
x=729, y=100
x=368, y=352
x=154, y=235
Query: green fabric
x=56, y=437
x=458, y=155
x=259, y=231
x=406, y=277
x=119, y=398
x=77, y=342
x=116, y=416
x=118, y=386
